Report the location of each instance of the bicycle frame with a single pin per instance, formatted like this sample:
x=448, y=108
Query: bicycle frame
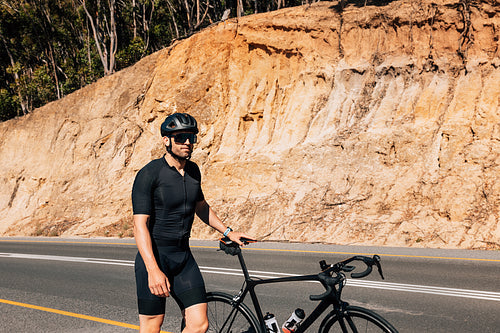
x=250, y=285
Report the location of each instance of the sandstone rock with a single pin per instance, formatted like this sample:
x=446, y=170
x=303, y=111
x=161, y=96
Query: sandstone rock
x=362, y=125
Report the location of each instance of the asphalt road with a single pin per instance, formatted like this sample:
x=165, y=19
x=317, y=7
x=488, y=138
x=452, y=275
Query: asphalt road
x=80, y=285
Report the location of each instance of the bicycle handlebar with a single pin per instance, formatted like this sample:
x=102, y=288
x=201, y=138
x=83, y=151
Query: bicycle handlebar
x=329, y=282
x=232, y=248
x=368, y=261
x=369, y=264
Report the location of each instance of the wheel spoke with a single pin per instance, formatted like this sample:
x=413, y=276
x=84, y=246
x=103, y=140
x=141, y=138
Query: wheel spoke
x=223, y=316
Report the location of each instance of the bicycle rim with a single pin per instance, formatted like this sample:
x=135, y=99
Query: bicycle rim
x=356, y=320
x=224, y=317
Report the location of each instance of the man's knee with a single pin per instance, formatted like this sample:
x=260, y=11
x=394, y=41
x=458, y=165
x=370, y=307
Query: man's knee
x=196, y=319
x=200, y=326
x=150, y=324
x=203, y=327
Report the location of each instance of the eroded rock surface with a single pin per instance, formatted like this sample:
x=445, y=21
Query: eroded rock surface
x=357, y=125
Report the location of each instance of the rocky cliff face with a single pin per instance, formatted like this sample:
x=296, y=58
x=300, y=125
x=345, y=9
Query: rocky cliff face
x=376, y=124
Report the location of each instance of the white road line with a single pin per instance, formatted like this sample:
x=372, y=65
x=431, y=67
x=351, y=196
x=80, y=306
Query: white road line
x=465, y=293
x=70, y=259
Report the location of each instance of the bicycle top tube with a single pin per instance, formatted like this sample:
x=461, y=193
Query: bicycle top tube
x=232, y=248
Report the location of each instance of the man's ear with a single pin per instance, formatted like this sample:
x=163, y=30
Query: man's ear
x=166, y=141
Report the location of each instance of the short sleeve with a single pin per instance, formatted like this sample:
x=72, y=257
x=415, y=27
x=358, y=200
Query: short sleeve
x=201, y=196
x=142, y=192
x=194, y=172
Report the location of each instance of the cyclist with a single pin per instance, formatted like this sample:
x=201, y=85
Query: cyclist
x=165, y=196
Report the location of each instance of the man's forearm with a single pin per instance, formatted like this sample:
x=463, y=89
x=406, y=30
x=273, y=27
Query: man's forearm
x=208, y=216
x=143, y=241
x=215, y=222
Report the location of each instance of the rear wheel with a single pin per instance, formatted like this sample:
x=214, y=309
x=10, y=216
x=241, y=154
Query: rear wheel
x=356, y=319
x=224, y=316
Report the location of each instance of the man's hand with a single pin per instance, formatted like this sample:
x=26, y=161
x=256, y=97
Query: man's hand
x=158, y=283
x=235, y=237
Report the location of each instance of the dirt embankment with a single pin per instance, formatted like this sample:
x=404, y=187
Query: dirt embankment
x=376, y=124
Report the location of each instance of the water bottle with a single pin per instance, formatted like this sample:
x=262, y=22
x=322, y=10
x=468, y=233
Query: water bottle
x=271, y=323
x=294, y=321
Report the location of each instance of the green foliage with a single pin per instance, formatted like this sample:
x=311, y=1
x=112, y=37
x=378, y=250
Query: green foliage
x=49, y=48
x=40, y=86
x=131, y=54
x=8, y=105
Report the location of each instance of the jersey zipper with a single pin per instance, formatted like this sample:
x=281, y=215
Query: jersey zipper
x=185, y=203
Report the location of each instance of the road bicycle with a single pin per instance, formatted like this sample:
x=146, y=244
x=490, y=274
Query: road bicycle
x=227, y=313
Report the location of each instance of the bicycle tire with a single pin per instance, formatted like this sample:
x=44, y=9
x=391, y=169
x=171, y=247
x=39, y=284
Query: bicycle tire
x=355, y=319
x=225, y=317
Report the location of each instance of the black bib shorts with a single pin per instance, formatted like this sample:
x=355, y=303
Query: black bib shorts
x=186, y=282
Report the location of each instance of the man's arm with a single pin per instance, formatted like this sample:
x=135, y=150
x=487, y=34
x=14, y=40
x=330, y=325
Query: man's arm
x=157, y=280
x=208, y=216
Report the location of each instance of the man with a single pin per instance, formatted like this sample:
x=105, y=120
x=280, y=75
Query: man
x=165, y=196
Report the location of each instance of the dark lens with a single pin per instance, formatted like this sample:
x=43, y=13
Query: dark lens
x=182, y=137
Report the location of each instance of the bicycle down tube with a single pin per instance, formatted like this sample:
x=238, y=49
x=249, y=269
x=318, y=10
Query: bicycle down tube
x=250, y=288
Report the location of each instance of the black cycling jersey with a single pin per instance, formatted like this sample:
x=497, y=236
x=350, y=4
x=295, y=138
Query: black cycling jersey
x=169, y=198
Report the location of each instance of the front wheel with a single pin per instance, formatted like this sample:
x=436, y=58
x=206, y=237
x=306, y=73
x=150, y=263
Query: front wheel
x=224, y=316
x=355, y=319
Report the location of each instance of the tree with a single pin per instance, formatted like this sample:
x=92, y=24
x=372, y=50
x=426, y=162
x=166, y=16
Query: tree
x=103, y=25
x=50, y=48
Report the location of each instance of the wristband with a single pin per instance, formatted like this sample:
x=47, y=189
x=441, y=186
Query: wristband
x=228, y=230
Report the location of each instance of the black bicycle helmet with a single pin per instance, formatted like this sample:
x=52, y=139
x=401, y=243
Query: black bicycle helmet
x=178, y=122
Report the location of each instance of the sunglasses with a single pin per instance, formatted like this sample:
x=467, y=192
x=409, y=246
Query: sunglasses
x=182, y=137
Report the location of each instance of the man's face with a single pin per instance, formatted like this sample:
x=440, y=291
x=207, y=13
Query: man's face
x=182, y=143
